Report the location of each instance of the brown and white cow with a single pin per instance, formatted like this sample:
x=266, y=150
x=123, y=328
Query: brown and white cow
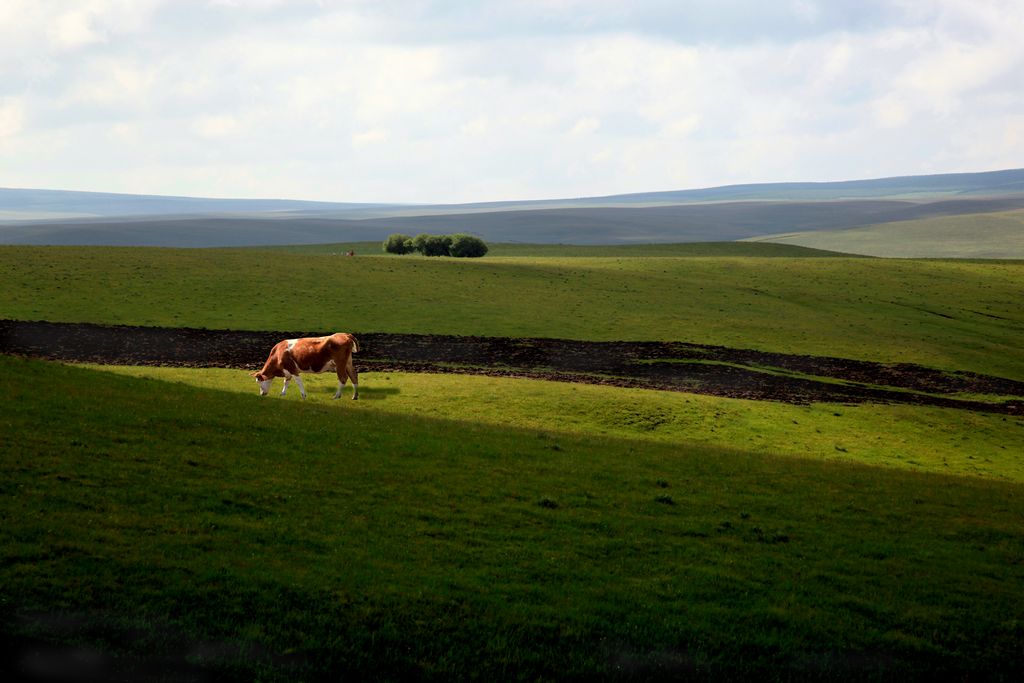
x=290, y=357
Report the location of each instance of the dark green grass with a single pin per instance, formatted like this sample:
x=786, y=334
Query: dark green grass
x=285, y=540
x=951, y=315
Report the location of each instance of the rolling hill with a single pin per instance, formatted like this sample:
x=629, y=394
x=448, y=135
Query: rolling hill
x=28, y=202
x=983, y=235
x=775, y=211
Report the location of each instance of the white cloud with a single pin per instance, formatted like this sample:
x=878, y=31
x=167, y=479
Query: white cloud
x=682, y=127
x=12, y=117
x=585, y=126
x=479, y=126
x=214, y=127
x=890, y=111
x=395, y=81
x=74, y=29
x=126, y=133
x=122, y=82
x=837, y=62
x=563, y=98
x=69, y=26
x=949, y=71
x=368, y=138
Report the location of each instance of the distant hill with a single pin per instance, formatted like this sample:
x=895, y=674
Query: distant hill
x=925, y=187
x=108, y=204
x=980, y=235
x=992, y=183
x=735, y=212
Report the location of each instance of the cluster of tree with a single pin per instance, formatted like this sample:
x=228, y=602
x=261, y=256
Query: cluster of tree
x=459, y=244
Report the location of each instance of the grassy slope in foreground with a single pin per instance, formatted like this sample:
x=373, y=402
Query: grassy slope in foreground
x=987, y=235
x=163, y=519
x=947, y=314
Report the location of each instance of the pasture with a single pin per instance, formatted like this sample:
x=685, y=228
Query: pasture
x=690, y=249
x=913, y=438
x=472, y=527
x=947, y=314
x=267, y=538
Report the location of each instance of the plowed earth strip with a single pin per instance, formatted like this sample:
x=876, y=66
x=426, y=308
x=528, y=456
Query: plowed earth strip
x=673, y=366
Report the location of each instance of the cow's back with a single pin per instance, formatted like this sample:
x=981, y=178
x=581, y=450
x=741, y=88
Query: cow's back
x=342, y=340
x=311, y=354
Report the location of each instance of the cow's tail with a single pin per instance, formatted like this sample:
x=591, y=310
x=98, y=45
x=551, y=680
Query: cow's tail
x=355, y=344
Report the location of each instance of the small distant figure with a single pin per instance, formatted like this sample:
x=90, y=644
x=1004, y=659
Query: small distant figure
x=351, y=252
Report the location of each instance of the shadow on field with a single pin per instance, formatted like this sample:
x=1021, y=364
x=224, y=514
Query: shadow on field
x=375, y=393
x=143, y=651
x=671, y=366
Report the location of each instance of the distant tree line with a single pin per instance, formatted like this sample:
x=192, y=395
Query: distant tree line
x=459, y=245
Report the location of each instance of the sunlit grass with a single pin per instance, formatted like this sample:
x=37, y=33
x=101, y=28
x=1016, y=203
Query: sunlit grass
x=924, y=439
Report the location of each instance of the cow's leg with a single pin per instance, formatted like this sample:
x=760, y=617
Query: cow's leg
x=284, y=389
x=350, y=370
x=346, y=370
x=341, y=382
x=302, y=387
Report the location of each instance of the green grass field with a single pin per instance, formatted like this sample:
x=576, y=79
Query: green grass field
x=272, y=539
x=915, y=438
x=947, y=314
x=163, y=519
x=688, y=249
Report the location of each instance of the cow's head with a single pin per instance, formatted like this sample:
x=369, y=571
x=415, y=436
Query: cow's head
x=263, y=381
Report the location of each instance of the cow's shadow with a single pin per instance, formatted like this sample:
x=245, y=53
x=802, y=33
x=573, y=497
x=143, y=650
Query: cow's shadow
x=366, y=393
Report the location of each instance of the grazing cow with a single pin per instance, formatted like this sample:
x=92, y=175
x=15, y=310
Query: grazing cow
x=290, y=357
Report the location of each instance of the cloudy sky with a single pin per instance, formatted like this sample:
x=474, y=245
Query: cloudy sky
x=452, y=101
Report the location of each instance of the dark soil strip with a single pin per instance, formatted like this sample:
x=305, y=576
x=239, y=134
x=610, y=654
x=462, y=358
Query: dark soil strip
x=675, y=366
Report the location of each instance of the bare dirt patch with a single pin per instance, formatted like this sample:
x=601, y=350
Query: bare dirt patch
x=673, y=366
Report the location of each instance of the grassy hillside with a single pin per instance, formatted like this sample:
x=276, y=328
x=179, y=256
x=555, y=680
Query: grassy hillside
x=990, y=235
x=454, y=527
x=947, y=314
x=167, y=525
x=759, y=249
